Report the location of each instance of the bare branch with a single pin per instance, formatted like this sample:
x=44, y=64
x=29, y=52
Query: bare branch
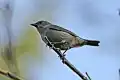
x=88, y=76
x=8, y=56
x=9, y=75
x=66, y=62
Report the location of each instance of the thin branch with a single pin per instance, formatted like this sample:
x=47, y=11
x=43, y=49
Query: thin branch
x=9, y=75
x=9, y=56
x=88, y=76
x=66, y=62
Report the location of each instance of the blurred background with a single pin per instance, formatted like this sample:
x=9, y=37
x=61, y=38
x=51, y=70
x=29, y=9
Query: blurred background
x=25, y=54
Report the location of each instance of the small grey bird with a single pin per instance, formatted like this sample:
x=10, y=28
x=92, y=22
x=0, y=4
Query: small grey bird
x=61, y=38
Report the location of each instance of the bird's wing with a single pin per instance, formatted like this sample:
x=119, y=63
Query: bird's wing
x=58, y=28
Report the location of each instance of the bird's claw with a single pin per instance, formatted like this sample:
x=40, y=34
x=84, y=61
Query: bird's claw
x=63, y=58
x=64, y=54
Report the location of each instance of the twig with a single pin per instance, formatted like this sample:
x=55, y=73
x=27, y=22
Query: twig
x=88, y=76
x=9, y=56
x=65, y=61
x=9, y=75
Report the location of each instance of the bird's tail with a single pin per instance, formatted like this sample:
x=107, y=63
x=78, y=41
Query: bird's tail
x=92, y=42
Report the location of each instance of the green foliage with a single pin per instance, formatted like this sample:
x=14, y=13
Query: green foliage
x=28, y=42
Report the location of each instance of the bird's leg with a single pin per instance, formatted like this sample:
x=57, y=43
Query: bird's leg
x=56, y=48
x=63, y=56
x=65, y=44
x=68, y=47
x=64, y=52
x=52, y=46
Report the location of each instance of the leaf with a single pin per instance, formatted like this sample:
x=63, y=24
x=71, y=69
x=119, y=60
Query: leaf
x=28, y=42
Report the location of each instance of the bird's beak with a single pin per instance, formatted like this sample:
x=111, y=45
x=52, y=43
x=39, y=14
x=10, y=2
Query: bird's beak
x=34, y=25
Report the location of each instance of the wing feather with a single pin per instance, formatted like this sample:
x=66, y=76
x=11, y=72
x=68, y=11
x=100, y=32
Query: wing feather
x=58, y=28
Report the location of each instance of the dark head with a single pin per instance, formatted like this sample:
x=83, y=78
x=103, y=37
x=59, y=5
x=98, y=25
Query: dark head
x=40, y=24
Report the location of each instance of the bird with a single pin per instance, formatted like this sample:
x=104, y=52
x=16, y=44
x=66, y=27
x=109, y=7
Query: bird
x=61, y=38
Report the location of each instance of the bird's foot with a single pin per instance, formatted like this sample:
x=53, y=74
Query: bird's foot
x=64, y=54
x=63, y=57
x=58, y=51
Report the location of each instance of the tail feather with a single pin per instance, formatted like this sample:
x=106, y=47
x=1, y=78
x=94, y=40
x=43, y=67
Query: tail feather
x=92, y=42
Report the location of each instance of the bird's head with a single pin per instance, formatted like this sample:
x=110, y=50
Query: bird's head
x=40, y=24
